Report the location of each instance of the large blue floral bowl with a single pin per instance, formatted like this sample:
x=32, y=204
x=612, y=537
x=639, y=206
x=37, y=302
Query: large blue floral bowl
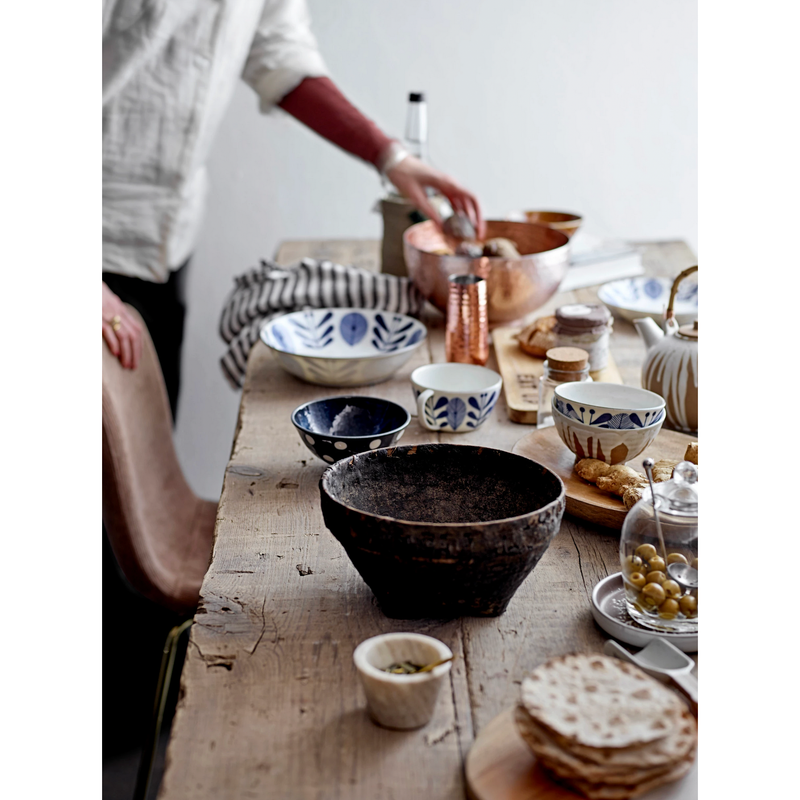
x=343, y=346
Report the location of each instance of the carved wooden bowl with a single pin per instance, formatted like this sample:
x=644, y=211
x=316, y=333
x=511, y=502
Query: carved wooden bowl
x=442, y=530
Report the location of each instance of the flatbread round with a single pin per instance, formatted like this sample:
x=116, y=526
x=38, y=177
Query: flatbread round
x=600, y=702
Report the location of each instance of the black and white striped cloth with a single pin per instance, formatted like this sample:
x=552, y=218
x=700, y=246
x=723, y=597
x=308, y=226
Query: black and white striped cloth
x=271, y=290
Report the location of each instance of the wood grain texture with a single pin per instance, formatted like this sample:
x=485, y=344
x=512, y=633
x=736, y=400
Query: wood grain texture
x=584, y=500
x=270, y=702
x=521, y=373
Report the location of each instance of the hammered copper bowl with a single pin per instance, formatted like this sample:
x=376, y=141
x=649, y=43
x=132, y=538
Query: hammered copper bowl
x=515, y=286
x=442, y=530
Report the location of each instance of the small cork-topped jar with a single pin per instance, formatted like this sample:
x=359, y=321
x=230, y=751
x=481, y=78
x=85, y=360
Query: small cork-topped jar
x=586, y=326
x=562, y=365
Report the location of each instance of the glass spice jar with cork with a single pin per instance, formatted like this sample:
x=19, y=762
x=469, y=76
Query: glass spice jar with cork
x=562, y=365
x=587, y=326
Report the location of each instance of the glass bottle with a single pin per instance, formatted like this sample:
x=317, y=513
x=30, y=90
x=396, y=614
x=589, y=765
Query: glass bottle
x=658, y=554
x=562, y=365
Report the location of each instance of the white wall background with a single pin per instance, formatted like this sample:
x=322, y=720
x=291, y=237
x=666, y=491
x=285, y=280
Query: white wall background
x=583, y=105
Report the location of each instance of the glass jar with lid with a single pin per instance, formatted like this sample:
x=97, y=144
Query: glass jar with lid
x=562, y=365
x=658, y=551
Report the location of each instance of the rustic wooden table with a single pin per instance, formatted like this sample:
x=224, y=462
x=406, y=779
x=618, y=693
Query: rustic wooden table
x=270, y=701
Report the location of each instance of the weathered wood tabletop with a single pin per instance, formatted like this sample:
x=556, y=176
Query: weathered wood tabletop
x=270, y=703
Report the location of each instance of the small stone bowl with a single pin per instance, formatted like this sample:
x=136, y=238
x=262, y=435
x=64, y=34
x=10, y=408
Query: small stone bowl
x=338, y=427
x=612, y=445
x=401, y=702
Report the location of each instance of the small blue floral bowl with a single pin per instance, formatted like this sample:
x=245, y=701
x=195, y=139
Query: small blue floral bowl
x=612, y=445
x=338, y=427
x=609, y=405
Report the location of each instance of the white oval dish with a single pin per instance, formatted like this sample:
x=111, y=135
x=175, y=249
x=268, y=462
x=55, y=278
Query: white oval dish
x=343, y=346
x=611, y=614
x=634, y=298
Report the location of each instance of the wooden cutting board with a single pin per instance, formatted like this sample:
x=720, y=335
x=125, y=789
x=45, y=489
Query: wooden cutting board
x=585, y=500
x=500, y=766
x=521, y=374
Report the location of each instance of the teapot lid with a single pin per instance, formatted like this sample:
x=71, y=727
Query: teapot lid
x=679, y=495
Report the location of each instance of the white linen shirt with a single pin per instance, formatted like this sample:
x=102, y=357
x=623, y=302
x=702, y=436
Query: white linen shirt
x=169, y=70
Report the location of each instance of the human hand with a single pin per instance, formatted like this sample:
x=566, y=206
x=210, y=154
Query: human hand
x=411, y=176
x=121, y=331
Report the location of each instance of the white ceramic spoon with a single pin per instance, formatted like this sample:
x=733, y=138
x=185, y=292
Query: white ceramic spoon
x=663, y=661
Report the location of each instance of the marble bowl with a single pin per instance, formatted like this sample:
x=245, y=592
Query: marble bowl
x=442, y=530
x=343, y=346
x=609, y=405
x=612, y=445
x=338, y=427
x=401, y=702
x=515, y=287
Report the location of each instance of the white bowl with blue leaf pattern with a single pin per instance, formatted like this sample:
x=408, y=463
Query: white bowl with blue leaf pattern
x=453, y=397
x=343, y=346
x=634, y=298
x=609, y=405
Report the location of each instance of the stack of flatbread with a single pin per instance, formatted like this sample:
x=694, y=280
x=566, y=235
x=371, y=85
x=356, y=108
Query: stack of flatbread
x=605, y=728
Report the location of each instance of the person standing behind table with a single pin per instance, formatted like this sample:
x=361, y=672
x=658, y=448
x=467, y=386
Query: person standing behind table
x=169, y=69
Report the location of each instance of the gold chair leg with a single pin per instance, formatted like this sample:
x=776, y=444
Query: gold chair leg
x=162, y=692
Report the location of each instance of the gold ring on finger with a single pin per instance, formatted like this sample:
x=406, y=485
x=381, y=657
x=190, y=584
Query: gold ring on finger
x=116, y=323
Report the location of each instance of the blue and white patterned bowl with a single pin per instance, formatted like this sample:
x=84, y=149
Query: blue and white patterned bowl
x=343, y=346
x=337, y=427
x=609, y=405
x=634, y=298
x=612, y=445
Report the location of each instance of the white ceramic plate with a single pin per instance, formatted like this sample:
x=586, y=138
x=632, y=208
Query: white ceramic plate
x=635, y=298
x=343, y=346
x=610, y=613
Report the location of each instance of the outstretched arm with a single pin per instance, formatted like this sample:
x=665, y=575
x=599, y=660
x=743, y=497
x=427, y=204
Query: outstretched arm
x=318, y=104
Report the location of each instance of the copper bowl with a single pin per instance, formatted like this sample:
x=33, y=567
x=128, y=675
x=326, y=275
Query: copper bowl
x=515, y=286
x=557, y=220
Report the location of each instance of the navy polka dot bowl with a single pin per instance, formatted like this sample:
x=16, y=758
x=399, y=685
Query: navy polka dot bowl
x=338, y=427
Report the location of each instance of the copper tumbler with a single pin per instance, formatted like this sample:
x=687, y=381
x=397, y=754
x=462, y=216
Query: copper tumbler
x=467, y=326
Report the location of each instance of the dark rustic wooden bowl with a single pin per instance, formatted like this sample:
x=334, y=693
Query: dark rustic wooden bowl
x=442, y=530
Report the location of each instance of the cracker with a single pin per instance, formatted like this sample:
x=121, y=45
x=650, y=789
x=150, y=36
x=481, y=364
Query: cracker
x=599, y=701
x=691, y=453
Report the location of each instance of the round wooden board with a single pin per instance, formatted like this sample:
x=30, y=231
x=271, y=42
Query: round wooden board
x=500, y=766
x=585, y=500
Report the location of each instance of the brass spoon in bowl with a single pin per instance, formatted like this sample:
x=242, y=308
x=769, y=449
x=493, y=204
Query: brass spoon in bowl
x=429, y=667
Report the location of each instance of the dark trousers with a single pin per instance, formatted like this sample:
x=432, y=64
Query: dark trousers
x=134, y=629
x=163, y=312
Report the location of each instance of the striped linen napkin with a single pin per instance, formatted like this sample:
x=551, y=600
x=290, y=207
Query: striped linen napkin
x=269, y=290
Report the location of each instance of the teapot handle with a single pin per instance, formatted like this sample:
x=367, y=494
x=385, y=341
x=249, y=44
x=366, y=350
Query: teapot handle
x=670, y=315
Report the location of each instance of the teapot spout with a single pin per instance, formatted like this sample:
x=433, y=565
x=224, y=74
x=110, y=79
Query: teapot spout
x=649, y=331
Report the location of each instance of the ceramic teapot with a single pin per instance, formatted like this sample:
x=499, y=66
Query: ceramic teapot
x=670, y=368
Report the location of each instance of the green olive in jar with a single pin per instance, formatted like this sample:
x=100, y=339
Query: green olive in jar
x=656, y=564
x=656, y=576
x=669, y=609
x=646, y=551
x=676, y=558
x=654, y=593
x=688, y=604
x=633, y=564
x=637, y=579
x=672, y=589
